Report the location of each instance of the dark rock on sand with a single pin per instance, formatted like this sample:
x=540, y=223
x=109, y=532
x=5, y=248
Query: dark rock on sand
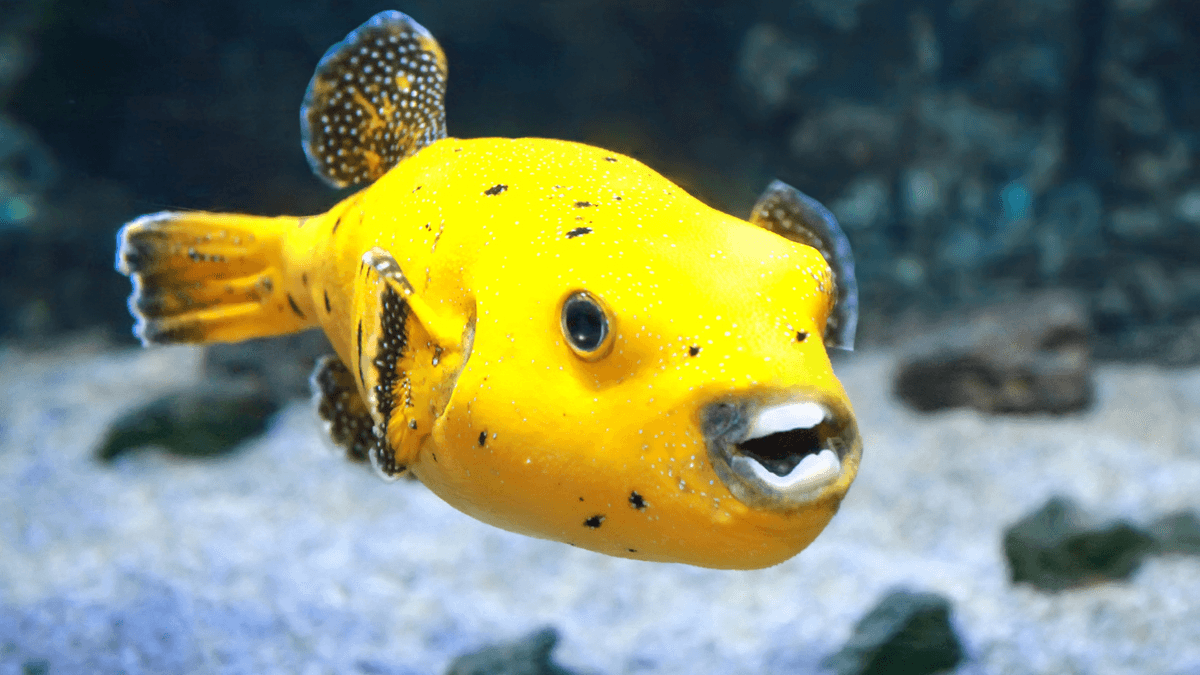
x=1059, y=547
x=907, y=633
x=279, y=365
x=1177, y=533
x=1024, y=356
x=527, y=656
x=209, y=420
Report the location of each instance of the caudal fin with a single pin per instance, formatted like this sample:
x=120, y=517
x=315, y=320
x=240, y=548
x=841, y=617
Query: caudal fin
x=208, y=277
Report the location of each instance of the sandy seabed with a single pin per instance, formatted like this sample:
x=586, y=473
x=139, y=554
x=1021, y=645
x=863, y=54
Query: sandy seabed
x=284, y=558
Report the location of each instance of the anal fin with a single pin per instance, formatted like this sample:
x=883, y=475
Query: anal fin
x=347, y=418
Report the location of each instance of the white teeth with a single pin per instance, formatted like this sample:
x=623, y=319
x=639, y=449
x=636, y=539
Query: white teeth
x=786, y=417
x=812, y=474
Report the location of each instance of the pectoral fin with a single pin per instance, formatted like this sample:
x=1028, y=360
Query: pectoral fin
x=409, y=359
x=442, y=332
x=790, y=213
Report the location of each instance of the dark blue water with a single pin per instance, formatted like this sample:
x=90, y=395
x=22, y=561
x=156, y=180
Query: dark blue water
x=974, y=151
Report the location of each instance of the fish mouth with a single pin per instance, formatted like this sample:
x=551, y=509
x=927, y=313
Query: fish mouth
x=785, y=455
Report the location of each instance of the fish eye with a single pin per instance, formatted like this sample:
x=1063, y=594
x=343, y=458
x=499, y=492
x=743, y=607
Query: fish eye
x=586, y=326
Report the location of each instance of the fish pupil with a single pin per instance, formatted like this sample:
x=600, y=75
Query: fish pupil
x=585, y=323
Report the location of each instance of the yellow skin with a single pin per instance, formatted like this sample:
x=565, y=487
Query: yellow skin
x=569, y=439
x=491, y=407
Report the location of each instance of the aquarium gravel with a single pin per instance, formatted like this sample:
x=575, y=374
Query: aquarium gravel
x=284, y=558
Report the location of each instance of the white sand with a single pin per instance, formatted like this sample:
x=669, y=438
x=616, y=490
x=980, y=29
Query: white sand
x=284, y=558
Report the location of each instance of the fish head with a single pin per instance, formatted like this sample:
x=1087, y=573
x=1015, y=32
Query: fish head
x=656, y=388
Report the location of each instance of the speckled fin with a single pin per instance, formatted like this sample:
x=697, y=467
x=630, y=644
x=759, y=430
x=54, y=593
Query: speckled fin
x=375, y=98
x=789, y=212
x=338, y=402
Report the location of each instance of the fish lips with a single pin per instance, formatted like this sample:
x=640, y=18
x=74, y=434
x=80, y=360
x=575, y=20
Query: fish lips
x=782, y=455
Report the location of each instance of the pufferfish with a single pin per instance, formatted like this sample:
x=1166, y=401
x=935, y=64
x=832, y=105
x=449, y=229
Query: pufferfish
x=552, y=337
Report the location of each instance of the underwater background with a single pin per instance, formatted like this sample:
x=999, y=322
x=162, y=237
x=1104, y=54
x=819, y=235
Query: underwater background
x=1018, y=179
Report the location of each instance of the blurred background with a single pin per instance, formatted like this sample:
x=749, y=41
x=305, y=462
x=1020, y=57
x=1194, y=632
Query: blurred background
x=972, y=149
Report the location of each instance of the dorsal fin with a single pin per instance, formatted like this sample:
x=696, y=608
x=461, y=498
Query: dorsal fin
x=375, y=98
x=790, y=213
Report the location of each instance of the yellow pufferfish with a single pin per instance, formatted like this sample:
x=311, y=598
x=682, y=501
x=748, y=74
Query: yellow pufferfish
x=552, y=337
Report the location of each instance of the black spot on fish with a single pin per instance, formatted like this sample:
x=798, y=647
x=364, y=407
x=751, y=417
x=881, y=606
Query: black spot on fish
x=580, y=205
x=417, y=188
x=495, y=189
x=304, y=278
x=328, y=308
x=631, y=550
x=483, y=438
x=295, y=307
x=336, y=224
x=693, y=350
x=156, y=333
x=801, y=335
x=594, y=521
x=412, y=424
x=578, y=232
x=612, y=159
x=617, y=197
x=359, y=359
x=581, y=499
x=636, y=501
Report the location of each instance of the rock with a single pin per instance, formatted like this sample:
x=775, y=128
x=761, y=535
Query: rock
x=847, y=138
x=27, y=172
x=1177, y=533
x=907, y=633
x=527, y=656
x=768, y=65
x=280, y=365
x=1059, y=547
x=1024, y=356
x=210, y=420
x=1071, y=228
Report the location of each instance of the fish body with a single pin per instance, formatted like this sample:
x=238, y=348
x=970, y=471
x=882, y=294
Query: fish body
x=551, y=336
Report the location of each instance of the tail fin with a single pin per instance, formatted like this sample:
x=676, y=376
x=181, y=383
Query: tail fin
x=208, y=277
